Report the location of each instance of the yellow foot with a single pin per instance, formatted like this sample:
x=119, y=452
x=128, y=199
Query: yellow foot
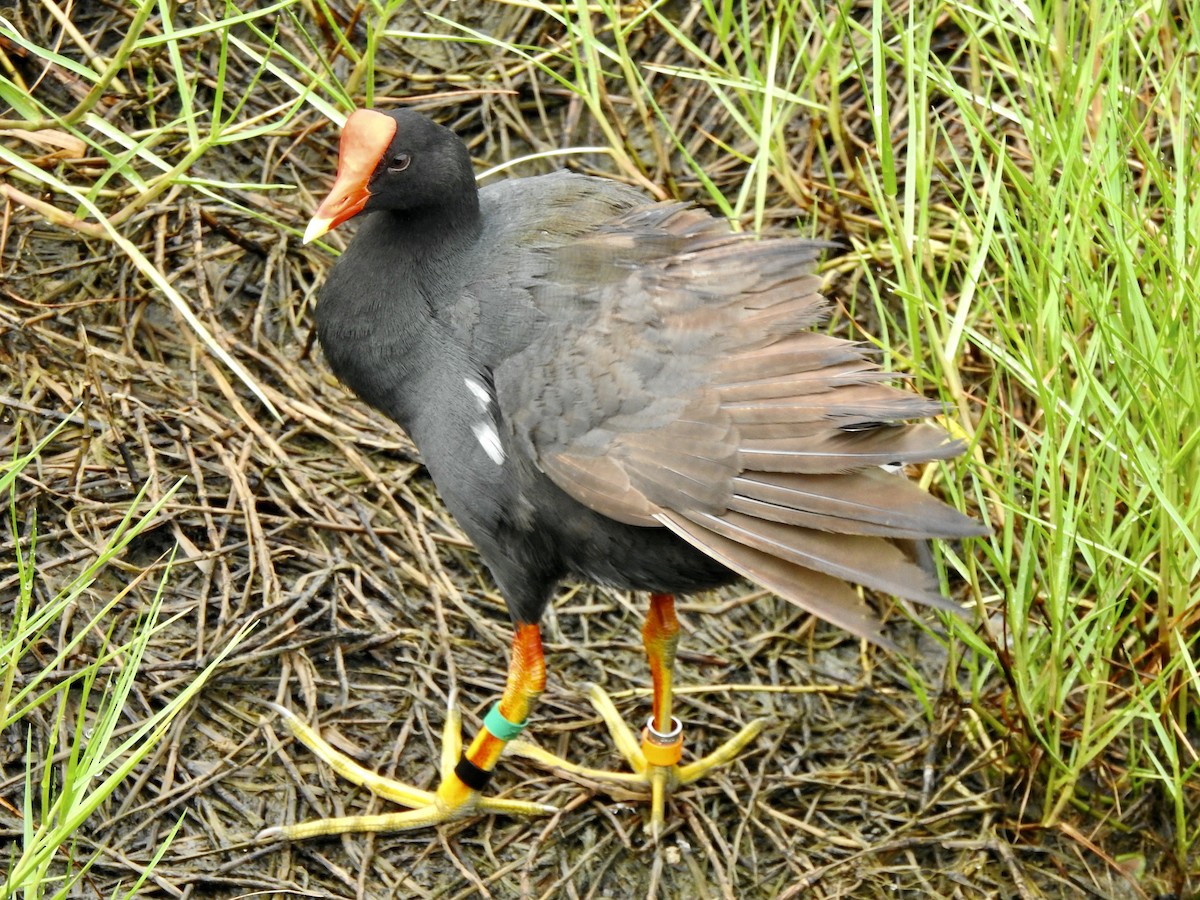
x=452, y=800
x=661, y=780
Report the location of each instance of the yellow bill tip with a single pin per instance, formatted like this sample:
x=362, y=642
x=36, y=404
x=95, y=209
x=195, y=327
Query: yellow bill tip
x=318, y=227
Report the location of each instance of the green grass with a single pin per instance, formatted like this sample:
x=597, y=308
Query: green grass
x=1015, y=185
x=87, y=703
x=1070, y=270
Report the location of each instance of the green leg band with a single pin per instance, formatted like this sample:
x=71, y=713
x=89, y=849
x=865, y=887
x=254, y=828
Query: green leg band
x=499, y=726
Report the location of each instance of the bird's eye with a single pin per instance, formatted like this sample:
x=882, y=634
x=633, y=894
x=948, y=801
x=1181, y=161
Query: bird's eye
x=399, y=162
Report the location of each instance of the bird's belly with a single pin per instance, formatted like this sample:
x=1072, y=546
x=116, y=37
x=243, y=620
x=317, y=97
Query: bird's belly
x=639, y=558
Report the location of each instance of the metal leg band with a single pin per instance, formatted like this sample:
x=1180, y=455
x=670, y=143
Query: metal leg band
x=662, y=749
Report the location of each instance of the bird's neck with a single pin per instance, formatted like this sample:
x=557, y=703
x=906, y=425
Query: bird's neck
x=379, y=312
x=435, y=230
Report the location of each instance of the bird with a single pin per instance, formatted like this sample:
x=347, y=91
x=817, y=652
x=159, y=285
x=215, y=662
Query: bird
x=618, y=390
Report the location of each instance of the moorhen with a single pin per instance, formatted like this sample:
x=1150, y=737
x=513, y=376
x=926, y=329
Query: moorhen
x=620, y=391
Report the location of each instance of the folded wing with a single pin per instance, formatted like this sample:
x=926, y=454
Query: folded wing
x=693, y=395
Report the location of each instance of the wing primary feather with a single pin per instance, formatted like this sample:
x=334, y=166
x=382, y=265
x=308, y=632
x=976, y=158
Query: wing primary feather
x=866, y=560
x=866, y=502
x=825, y=597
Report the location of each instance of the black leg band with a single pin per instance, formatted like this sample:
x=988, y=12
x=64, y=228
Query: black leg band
x=471, y=775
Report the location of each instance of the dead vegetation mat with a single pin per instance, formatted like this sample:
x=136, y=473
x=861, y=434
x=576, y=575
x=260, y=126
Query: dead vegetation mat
x=372, y=612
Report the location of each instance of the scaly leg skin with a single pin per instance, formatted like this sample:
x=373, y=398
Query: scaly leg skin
x=654, y=759
x=463, y=775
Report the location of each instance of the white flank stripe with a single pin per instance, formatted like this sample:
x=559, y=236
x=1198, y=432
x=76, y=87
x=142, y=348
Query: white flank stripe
x=482, y=397
x=489, y=440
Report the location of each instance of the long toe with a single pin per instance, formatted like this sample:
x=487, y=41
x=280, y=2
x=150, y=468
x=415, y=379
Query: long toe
x=452, y=800
x=648, y=779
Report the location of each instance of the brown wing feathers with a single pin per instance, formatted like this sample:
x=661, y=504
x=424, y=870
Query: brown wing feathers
x=822, y=450
x=772, y=464
x=822, y=595
x=869, y=501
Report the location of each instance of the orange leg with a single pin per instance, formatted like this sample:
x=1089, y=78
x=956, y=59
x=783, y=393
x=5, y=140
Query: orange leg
x=660, y=637
x=526, y=682
x=662, y=739
x=655, y=762
x=464, y=775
